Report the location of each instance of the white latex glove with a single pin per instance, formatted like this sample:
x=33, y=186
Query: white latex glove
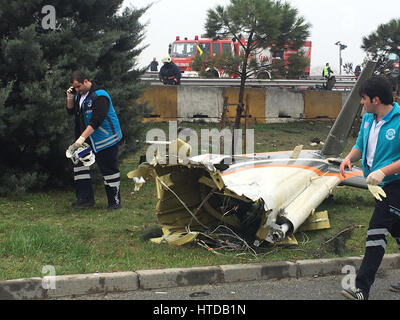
x=69, y=153
x=70, y=93
x=377, y=191
x=375, y=178
x=79, y=142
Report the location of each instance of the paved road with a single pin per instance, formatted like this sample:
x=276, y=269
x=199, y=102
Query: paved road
x=251, y=300
x=320, y=288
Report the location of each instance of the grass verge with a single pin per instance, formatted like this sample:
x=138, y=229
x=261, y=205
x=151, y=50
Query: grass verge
x=39, y=229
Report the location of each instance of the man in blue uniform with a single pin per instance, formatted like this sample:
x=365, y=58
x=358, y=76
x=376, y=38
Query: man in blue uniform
x=96, y=122
x=378, y=147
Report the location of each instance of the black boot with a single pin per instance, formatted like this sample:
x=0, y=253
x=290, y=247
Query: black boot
x=113, y=197
x=82, y=204
x=114, y=206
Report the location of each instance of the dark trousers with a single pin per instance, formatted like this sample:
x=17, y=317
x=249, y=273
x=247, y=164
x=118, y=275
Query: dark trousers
x=385, y=220
x=107, y=162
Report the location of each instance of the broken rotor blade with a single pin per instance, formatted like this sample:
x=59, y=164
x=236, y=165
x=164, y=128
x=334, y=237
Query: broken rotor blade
x=337, y=137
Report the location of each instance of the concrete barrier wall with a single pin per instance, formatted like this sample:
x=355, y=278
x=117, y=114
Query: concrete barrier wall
x=254, y=98
x=199, y=103
x=322, y=104
x=163, y=100
x=283, y=103
x=266, y=105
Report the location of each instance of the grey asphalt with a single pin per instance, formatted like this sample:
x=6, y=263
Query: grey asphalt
x=319, y=279
x=308, y=288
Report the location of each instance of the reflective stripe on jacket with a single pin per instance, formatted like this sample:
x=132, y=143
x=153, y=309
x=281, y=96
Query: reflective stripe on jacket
x=109, y=132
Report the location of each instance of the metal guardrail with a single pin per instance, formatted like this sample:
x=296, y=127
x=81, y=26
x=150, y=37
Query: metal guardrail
x=151, y=74
x=222, y=82
x=337, y=76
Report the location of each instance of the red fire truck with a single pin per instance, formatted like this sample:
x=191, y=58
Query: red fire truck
x=183, y=52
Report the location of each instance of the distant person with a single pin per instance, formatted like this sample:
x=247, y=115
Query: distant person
x=326, y=72
x=154, y=65
x=169, y=72
x=357, y=71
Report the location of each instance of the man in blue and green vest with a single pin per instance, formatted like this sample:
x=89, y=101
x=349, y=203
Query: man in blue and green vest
x=96, y=122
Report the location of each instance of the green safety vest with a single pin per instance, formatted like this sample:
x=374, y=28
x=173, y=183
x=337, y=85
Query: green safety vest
x=326, y=73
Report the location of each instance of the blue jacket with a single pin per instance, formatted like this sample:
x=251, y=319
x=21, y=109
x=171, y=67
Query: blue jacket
x=388, y=145
x=109, y=132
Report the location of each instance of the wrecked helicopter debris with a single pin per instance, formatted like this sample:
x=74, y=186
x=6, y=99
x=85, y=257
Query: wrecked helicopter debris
x=251, y=197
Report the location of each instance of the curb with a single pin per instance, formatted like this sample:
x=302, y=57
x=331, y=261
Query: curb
x=83, y=284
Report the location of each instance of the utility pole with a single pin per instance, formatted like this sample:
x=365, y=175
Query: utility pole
x=341, y=47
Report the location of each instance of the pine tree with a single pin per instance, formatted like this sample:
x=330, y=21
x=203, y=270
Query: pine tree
x=264, y=23
x=382, y=42
x=35, y=67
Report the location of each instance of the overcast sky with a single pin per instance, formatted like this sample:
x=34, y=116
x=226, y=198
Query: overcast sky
x=339, y=20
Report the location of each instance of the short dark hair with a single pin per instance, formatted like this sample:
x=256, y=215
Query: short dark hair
x=377, y=86
x=78, y=76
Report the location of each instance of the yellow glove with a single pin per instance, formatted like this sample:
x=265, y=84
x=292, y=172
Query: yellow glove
x=376, y=191
x=375, y=178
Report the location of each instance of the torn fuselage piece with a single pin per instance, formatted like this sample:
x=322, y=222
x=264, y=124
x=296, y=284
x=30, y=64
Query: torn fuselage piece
x=266, y=196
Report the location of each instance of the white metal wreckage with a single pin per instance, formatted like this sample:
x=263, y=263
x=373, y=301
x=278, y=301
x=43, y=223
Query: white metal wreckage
x=253, y=197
